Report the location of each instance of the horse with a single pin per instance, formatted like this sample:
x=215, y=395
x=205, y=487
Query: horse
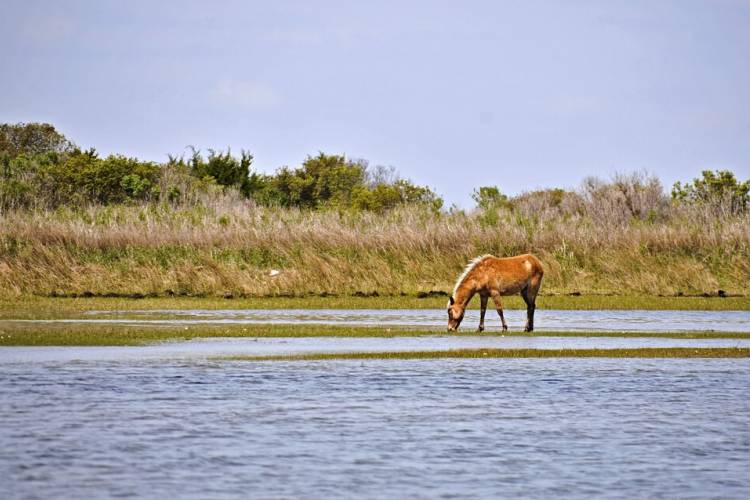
x=491, y=276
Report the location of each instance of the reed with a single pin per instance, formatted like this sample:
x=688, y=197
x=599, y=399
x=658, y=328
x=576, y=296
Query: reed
x=230, y=249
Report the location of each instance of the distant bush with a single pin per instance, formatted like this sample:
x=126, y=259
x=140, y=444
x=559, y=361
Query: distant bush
x=26, y=149
x=32, y=139
x=40, y=168
x=221, y=168
x=626, y=198
x=720, y=191
x=637, y=195
x=386, y=196
x=548, y=204
x=321, y=181
x=489, y=197
x=332, y=181
x=84, y=178
x=76, y=178
x=178, y=186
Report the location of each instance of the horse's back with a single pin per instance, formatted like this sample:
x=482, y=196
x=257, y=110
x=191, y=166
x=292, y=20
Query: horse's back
x=526, y=263
x=510, y=275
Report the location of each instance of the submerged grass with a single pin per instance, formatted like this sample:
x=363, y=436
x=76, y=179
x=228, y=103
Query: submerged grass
x=48, y=308
x=673, y=352
x=20, y=333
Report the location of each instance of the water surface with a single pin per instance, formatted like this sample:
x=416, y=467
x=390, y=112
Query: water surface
x=545, y=319
x=380, y=429
x=204, y=348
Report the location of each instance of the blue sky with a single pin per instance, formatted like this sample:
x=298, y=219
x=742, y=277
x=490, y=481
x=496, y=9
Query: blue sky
x=455, y=95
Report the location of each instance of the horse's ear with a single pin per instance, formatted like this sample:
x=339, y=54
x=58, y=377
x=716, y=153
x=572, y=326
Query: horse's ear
x=451, y=301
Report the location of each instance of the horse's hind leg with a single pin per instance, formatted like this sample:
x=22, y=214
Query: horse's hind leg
x=499, y=307
x=529, y=311
x=529, y=296
x=483, y=309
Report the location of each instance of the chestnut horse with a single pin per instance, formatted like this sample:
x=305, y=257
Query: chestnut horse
x=491, y=276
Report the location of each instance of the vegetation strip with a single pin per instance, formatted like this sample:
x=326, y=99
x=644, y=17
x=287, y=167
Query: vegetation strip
x=73, y=223
x=67, y=334
x=674, y=352
x=54, y=308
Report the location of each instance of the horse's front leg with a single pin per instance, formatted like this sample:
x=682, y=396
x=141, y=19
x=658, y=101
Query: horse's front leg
x=499, y=307
x=482, y=310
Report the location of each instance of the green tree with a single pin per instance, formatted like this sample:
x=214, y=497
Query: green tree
x=489, y=197
x=331, y=179
x=40, y=167
x=719, y=190
x=322, y=180
x=32, y=139
x=224, y=169
x=83, y=178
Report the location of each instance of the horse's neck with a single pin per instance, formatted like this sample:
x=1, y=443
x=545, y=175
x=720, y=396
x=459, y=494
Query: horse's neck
x=464, y=295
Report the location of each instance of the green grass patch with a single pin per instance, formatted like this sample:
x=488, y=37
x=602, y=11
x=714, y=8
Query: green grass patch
x=72, y=334
x=674, y=352
x=32, y=307
x=86, y=334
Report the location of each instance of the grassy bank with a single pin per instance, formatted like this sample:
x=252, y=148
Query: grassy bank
x=82, y=334
x=674, y=352
x=52, y=308
x=235, y=251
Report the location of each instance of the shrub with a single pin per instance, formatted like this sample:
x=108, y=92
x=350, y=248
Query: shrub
x=635, y=196
x=322, y=180
x=489, y=197
x=39, y=167
x=720, y=191
x=548, y=204
x=84, y=178
x=332, y=181
x=17, y=181
x=32, y=139
x=386, y=196
x=223, y=168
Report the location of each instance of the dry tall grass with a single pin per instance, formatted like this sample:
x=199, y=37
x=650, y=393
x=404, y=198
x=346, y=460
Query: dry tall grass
x=588, y=243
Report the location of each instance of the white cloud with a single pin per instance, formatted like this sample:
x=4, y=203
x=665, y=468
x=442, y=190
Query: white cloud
x=246, y=94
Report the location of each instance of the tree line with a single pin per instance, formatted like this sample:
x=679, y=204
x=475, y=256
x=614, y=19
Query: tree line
x=41, y=168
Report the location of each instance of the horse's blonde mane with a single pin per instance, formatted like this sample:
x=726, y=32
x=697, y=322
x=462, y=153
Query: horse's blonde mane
x=469, y=267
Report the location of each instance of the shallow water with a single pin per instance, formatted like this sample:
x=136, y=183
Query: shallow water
x=545, y=319
x=203, y=348
x=382, y=429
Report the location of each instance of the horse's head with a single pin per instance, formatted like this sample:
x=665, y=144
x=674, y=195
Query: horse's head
x=455, y=314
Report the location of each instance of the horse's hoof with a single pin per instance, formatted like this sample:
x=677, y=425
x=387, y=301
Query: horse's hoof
x=480, y=329
x=505, y=328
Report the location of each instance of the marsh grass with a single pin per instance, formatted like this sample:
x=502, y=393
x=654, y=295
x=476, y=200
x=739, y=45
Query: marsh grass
x=674, y=352
x=67, y=334
x=20, y=333
x=62, y=308
x=229, y=250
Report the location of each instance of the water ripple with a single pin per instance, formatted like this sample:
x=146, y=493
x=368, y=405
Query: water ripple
x=546, y=319
x=433, y=428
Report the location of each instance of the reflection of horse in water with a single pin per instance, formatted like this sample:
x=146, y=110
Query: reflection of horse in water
x=492, y=277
